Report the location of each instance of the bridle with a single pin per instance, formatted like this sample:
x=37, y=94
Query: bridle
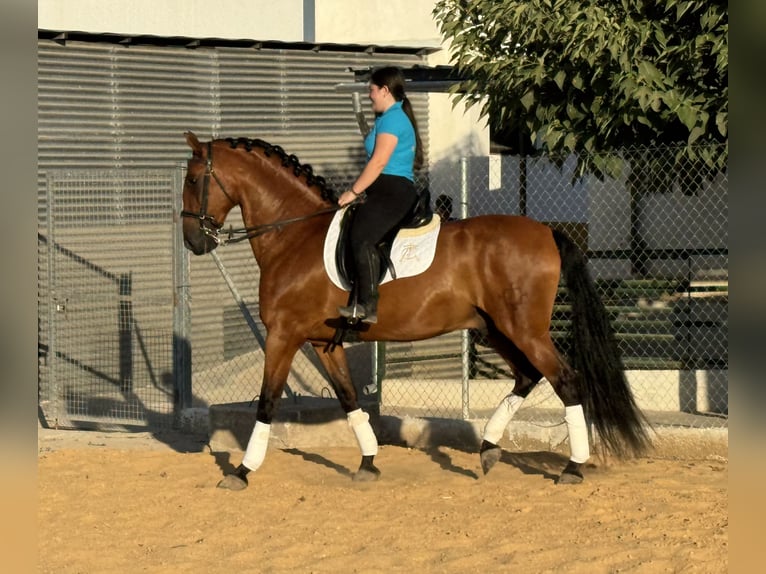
x=213, y=227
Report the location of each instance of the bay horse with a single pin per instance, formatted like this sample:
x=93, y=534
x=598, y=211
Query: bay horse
x=498, y=273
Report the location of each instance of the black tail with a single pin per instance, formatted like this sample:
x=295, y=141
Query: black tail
x=607, y=400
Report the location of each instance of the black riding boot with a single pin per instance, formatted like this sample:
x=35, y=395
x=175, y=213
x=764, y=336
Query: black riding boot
x=366, y=307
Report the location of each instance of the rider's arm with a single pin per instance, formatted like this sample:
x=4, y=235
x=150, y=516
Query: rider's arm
x=384, y=147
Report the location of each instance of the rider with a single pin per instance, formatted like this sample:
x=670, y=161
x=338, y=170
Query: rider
x=394, y=151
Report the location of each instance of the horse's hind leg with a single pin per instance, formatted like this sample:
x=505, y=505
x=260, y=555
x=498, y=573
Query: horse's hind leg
x=568, y=389
x=537, y=359
x=526, y=377
x=566, y=383
x=334, y=360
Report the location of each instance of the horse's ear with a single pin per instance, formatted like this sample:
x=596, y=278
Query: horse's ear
x=193, y=142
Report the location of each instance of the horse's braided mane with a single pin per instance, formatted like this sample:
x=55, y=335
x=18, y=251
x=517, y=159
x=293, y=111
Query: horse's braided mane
x=288, y=160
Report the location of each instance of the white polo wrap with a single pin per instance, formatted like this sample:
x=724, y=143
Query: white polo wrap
x=257, y=445
x=578, y=433
x=359, y=421
x=502, y=416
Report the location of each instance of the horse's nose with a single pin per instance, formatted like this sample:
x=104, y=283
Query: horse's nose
x=196, y=247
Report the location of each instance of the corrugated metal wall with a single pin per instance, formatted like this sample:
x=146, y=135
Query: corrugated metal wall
x=103, y=106
x=107, y=106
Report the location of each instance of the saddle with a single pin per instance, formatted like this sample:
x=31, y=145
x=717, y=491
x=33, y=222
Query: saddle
x=420, y=215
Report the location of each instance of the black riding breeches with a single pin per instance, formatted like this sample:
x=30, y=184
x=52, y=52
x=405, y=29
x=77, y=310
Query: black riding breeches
x=389, y=200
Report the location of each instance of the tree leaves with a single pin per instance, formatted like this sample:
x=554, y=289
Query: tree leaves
x=596, y=75
x=650, y=74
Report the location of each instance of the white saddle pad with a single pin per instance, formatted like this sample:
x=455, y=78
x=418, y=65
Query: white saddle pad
x=412, y=252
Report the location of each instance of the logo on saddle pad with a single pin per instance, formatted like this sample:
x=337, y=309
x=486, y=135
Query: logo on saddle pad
x=411, y=252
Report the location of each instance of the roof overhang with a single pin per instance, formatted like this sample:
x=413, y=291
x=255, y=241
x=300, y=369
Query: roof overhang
x=418, y=79
x=127, y=40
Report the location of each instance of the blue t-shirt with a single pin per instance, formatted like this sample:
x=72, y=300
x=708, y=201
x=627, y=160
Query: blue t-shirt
x=394, y=121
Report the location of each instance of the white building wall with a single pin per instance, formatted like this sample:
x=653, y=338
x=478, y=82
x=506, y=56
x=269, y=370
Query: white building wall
x=226, y=19
x=377, y=22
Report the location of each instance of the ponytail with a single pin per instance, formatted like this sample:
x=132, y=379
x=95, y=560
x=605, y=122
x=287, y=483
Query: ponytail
x=407, y=107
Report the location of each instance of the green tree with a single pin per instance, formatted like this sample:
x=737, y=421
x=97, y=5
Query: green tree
x=603, y=79
x=597, y=76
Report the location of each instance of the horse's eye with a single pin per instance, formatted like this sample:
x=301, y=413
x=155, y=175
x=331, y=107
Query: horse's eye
x=191, y=180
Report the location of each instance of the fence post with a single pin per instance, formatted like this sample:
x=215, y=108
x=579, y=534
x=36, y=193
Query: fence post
x=53, y=308
x=522, y=184
x=377, y=355
x=464, y=335
x=125, y=329
x=182, y=352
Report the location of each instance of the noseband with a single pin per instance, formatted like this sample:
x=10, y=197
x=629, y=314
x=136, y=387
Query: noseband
x=213, y=227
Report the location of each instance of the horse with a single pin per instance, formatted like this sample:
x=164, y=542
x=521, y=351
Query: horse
x=497, y=273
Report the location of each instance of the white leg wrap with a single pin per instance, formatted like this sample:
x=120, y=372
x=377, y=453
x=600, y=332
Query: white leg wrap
x=257, y=445
x=502, y=416
x=578, y=433
x=359, y=421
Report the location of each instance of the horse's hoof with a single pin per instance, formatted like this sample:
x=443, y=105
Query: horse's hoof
x=571, y=474
x=489, y=455
x=570, y=478
x=367, y=474
x=232, y=482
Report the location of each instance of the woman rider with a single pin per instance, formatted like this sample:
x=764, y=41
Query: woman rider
x=394, y=151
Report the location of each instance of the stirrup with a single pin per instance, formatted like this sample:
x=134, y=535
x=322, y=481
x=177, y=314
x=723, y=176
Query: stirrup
x=355, y=311
x=370, y=316
x=369, y=313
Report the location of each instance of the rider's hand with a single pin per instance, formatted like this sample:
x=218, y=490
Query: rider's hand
x=347, y=197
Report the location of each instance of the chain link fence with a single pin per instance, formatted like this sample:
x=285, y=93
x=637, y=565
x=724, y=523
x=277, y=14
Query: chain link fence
x=658, y=253
x=134, y=328
x=656, y=238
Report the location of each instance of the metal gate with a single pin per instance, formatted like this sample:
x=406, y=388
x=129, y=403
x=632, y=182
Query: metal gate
x=109, y=252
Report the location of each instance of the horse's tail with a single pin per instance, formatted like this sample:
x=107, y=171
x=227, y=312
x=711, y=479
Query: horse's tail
x=607, y=400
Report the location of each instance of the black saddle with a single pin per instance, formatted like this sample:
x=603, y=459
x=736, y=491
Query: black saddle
x=420, y=215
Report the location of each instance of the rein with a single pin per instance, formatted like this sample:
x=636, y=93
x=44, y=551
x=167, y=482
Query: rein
x=256, y=230
x=235, y=235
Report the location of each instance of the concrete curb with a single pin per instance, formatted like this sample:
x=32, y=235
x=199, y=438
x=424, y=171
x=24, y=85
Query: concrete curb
x=317, y=422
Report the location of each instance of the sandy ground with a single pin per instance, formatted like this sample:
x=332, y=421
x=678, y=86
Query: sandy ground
x=141, y=503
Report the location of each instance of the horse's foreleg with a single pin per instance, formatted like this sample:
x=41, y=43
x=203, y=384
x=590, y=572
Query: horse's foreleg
x=279, y=357
x=335, y=363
